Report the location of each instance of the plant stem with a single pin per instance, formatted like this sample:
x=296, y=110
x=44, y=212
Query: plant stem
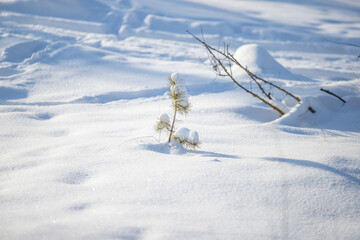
x=172, y=125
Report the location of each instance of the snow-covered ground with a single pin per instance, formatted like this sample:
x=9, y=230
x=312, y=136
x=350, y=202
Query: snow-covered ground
x=82, y=83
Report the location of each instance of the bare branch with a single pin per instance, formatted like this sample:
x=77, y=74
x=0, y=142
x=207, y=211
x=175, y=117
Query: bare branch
x=333, y=94
x=227, y=55
x=219, y=63
x=253, y=76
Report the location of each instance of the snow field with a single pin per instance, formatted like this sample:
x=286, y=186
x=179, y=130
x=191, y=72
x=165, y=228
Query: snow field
x=83, y=82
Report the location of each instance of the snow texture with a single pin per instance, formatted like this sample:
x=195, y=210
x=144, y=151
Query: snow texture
x=82, y=81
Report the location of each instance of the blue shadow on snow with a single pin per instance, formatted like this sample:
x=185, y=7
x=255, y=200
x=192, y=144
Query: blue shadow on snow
x=311, y=164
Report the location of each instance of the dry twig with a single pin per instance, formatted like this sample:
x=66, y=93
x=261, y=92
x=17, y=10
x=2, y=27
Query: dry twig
x=333, y=94
x=221, y=62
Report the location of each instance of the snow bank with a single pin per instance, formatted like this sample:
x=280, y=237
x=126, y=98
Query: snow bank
x=330, y=113
x=260, y=62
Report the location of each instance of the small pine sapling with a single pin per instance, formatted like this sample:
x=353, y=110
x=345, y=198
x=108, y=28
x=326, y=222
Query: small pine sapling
x=180, y=105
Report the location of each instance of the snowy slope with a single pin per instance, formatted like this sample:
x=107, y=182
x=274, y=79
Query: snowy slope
x=82, y=83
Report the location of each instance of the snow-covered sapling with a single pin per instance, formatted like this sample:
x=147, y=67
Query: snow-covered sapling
x=187, y=138
x=180, y=105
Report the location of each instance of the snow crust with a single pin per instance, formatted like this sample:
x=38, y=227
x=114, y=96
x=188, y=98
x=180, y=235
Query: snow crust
x=81, y=83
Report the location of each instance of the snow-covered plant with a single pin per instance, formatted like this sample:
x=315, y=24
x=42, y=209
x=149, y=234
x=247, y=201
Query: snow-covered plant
x=163, y=123
x=180, y=105
x=187, y=138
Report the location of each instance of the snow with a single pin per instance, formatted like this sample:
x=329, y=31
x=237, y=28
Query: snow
x=82, y=83
x=164, y=118
x=182, y=134
x=260, y=62
x=178, y=89
x=185, y=134
x=175, y=77
x=194, y=137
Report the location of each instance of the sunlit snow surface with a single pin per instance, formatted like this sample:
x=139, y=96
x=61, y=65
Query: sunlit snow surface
x=82, y=83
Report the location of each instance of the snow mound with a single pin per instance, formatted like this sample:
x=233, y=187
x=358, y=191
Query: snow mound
x=260, y=62
x=330, y=113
